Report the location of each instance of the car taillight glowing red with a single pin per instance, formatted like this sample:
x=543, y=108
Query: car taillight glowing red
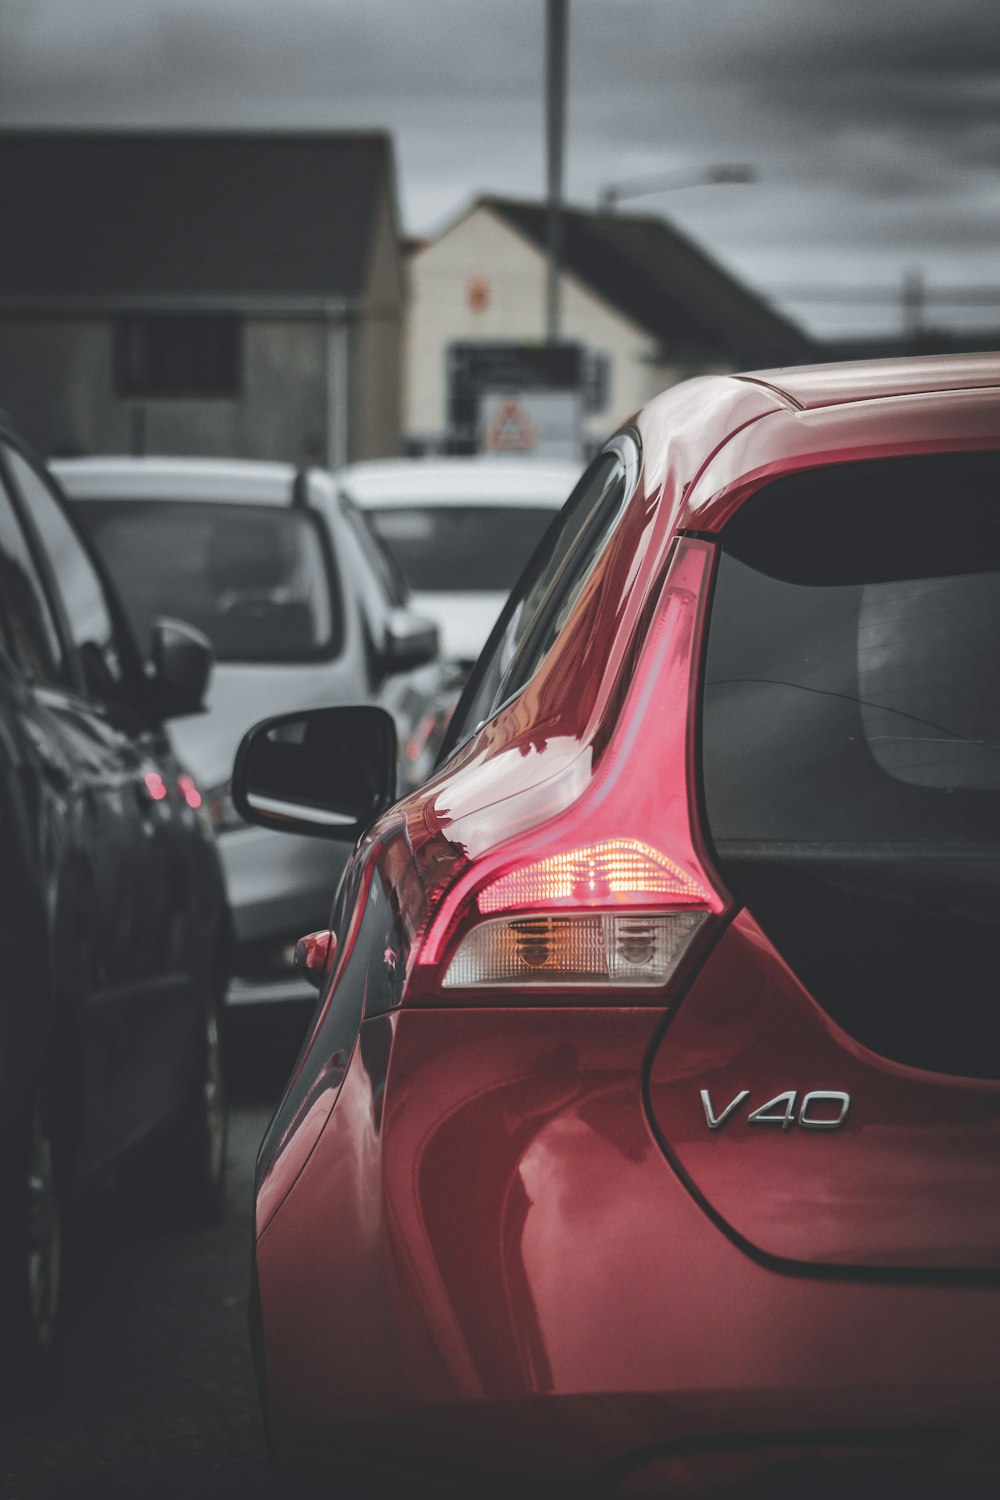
x=611, y=893
x=189, y=791
x=620, y=870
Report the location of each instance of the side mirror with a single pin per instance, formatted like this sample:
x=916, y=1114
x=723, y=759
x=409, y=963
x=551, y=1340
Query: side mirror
x=182, y=664
x=327, y=771
x=410, y=641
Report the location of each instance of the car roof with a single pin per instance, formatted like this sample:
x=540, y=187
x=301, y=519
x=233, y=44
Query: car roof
x=249, y=482
x=709, y=442
x=458, y=481
x=809, y=387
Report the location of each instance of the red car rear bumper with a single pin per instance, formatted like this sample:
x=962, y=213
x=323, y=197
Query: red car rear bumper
x=487, y=1268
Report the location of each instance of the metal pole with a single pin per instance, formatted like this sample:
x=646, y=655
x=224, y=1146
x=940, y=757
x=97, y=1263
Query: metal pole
x=914, y=298
x=555, y=118
x=337, y=395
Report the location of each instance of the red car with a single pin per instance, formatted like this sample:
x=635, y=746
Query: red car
x=647, y=1135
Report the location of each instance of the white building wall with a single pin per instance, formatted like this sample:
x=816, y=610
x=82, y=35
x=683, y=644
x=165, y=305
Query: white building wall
x=483, y=248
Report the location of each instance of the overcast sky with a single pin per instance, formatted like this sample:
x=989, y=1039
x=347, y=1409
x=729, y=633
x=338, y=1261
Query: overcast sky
x=874, y=125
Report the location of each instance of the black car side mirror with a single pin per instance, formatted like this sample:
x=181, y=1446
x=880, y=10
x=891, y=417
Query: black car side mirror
x=182, y=664
x=327, y=771
x=411, y=640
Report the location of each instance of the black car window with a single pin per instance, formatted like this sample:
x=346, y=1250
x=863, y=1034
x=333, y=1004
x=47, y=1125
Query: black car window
x=27, y=616
x=88, y=616
x=851, y=744
x=257, y=579
x=549, y=587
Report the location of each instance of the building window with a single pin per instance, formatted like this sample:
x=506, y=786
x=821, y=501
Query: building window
x=163, y=354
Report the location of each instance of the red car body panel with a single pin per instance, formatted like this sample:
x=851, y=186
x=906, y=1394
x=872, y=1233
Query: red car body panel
x=488, y=1265
x=636, y=764
x=910, y=1179
x=809, y=386
x=496, y=1234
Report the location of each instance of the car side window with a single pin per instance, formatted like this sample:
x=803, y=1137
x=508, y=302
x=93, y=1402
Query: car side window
x=374, y=601
x=27, y=615
x=549, y=587
x=85, y=604
x=381, y=561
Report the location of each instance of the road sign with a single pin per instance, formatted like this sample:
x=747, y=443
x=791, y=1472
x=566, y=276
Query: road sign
x=546, y=382
x=546, y=424
x=506, y=426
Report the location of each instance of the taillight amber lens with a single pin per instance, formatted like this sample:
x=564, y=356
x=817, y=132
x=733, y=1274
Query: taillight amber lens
x=577, y=949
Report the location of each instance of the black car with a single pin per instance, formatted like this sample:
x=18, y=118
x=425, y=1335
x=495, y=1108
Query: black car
x=114, y=930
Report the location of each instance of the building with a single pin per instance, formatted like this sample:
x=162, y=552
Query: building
x=632, y=289
x=202, y=293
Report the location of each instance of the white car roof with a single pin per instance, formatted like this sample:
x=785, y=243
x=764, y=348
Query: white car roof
x=458, y=481
x=245, y=482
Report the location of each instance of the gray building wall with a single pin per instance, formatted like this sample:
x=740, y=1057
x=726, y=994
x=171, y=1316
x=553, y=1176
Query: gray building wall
x=57, y=380
x=52, y=375
x=375, y=388
x=376, y=347
x=321, y=302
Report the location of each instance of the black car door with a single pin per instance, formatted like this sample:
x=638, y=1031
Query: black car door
x=33, y=778
x=100, y=778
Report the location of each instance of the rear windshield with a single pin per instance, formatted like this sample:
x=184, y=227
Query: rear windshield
x=851, y=744
x=257, y=580
x=457, y=548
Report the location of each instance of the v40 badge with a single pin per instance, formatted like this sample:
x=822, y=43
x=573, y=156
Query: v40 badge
x=821, y=1109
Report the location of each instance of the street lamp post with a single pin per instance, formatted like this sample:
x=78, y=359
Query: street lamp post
x=661, y=182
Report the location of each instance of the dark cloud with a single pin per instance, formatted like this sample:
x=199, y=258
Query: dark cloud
x=874, y=124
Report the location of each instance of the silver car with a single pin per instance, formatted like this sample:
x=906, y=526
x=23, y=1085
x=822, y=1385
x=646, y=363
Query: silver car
x=304, y=609
x=461, y=529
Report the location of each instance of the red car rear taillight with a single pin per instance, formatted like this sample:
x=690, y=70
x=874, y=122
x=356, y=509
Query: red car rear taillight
x=590, y=916
x=612, y=892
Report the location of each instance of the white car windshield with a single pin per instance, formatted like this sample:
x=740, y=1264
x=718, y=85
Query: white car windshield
x=462, y=548
x=256, y=579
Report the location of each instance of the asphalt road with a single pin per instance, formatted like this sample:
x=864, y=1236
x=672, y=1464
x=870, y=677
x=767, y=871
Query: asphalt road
x=154, y=1392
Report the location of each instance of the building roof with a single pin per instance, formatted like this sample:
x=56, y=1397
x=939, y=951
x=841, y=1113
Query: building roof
x=189, y=215
x=661, y=281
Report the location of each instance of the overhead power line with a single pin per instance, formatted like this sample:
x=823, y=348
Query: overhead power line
x=966, y=296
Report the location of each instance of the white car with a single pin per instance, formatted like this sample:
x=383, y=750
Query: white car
x=461, y=529
x=304, y=609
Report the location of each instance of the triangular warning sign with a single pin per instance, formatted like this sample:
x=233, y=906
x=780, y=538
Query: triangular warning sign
x=510, y=428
